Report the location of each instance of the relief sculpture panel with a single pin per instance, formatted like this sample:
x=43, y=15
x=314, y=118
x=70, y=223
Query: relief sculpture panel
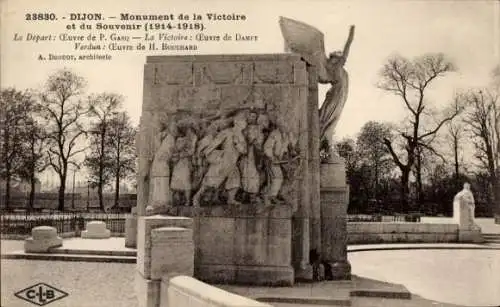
x=229, y=145
x=241, y=156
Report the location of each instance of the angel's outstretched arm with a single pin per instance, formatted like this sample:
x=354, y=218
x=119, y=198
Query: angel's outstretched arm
x=348, y=43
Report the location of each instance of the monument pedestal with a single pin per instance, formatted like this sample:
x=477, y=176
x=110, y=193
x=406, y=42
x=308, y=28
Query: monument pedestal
x=334, y=202
x=96, y=230
x=42, y=239
x=470, y=235
x=244, y=248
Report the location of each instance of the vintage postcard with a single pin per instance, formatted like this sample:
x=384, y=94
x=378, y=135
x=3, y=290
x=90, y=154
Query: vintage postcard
x=249, y=153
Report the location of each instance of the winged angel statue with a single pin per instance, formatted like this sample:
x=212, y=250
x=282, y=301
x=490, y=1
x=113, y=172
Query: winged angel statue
x=308, y=41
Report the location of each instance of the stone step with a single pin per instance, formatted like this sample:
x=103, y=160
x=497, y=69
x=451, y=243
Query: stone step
x=492, y=240
x=68, y=257
x=62, y=250
x=491, y=236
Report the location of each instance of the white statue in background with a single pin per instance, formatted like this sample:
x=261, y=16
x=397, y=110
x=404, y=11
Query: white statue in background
x=464, y=206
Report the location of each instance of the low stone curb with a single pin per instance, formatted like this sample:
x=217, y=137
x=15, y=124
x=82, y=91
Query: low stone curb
x=60, y=250
x=382, y=294
x=301, y=300
x=367, y=249
x=67, y=257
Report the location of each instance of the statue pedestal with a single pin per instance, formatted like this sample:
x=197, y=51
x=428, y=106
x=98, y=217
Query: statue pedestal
x=42, y=239
x=468, y=230
x=334, y=201
x=243, y=247
x=96, y=230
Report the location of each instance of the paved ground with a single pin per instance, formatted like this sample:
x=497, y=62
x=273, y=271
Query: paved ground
x=88, y=284
x=111, y=284
x=468, y=277
x=111, y=244
x=439, y=277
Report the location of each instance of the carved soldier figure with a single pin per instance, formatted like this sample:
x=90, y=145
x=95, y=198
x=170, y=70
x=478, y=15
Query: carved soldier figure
x=225, y=169
x=160, y=171
x=204, y=158
x=182, y=157
x=250, y=181
x=275, y=147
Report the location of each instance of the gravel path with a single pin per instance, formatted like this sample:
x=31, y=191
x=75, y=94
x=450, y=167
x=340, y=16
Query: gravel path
x=89, y=284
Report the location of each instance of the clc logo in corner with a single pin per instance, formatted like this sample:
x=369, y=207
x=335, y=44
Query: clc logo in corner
x=41, y=294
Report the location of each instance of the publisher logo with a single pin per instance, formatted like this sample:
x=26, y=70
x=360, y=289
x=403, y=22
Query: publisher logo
x=41, y=294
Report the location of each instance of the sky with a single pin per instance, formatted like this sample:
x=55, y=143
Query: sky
x=468, y=32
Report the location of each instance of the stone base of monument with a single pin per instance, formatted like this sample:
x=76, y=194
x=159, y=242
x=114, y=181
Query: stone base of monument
x=244, y=247
x=334, y=199
x=96, y=230
x=165, y=247
x=42, y=239
x=246, y=275
x=305, y=273
x=131, y=229
x=470, y=235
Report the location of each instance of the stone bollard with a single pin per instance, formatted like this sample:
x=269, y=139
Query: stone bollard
x=42, y=239
x=96, y=230
x=165, y=247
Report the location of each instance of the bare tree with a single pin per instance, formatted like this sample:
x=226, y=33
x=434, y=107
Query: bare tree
x=122, y=148
x=483, y=119
x=63, y=111
x=410, y=80
x=103, y=108
x=35, y=156
x=496, y=78
x=16, y=108
x=454, y=135
x=374, y=153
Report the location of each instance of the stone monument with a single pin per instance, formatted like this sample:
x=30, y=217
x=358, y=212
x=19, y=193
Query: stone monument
x=463, y=214
x=330, y=233
x=232, y=141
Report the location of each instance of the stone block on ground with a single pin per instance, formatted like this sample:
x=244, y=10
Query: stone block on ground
x=96, y=230
x=42, y=239
x=172, y=252
x=145, y=227
x=470, y=235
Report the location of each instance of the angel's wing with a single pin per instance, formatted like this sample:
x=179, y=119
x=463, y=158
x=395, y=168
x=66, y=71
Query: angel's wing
x=307, y=41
